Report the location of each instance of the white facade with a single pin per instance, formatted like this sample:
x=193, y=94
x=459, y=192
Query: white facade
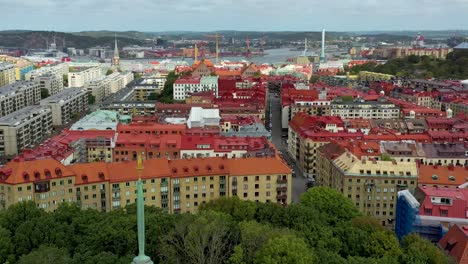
x=182, y=88
x=200, y=117
x=84, y=77
x=105, y=86
x=58, y=69
x=207, y=153
x=52, y=82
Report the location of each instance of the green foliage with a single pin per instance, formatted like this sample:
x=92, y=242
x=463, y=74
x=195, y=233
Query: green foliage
x=385, y=157
x=44, y=93
x=419, y=251
x=455, y=66
x=287, y=249
x=330, y=203
x=45, y=254
x=314, y=78
x=167, y=94
x=323, y=228
x=91, y=98
x=347, y=98
x=153, y=96
x=109, y=72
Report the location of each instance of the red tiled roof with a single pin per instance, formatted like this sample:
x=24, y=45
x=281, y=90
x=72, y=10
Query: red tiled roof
x=455, y=243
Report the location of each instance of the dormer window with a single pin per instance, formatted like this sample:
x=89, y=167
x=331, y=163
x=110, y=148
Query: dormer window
x=26, y=176
x=101, y=175
x=84, y=177
x=37, y=175
x=208, y=168
x=58, y=172
x=47, y=173
x=174, y=170
x=185, y=169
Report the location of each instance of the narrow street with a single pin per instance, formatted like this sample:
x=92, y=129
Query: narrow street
x=299, y=182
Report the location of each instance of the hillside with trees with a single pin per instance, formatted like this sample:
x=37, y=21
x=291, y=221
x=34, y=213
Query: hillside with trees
x=455, y=66
x=324, y=227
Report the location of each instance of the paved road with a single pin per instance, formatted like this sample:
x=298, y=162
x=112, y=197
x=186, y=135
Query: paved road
x=299, y=182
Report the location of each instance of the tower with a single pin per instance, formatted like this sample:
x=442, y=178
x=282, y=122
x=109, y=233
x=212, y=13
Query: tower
x=217, y=50
x=322, y=54
x=195, y=53
x=305, y=47
x=116, y=58
x=141, y=258
x=248, y=54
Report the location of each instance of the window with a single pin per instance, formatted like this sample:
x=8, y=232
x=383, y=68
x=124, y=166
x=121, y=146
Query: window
x=245, y=195
x=246, y=186
x=256, y=194
x=427, y=211
x=246, y=179
x=267, y=194
x=268, y=178
x=257, y=186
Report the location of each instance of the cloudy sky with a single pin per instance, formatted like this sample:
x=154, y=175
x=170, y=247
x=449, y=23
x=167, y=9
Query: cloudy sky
x=211, y=15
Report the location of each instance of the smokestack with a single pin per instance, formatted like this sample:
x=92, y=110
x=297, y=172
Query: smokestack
x=322, y=55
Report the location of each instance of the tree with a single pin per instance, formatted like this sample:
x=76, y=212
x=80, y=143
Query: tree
x=330, y=204
x=44, y=93
x=420, y=251
x=287, y=249
x=6, y=246
x=65, y=80
x=314, y=78
x=109, y=72
x=46, y=254
x=153, y=96
x=208, y=238
x=91, y=98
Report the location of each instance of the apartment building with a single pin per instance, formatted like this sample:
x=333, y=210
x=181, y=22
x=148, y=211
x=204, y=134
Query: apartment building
x=60, y=69
x=22, y=66
x=66, y=105
x=7, y=73
x=84, y=76
x=371, y=184
x=53, y=83
x=307, y=133
x=177, y=186
x=17, y=95
x=107, y=85
x=24, y=128
x=185, y=86
x=359, y=108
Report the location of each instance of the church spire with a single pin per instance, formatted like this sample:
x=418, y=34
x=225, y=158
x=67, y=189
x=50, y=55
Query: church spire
x=141, y=258
x=116, y=59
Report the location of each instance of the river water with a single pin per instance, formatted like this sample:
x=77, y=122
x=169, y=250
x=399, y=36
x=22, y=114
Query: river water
x=272, y=56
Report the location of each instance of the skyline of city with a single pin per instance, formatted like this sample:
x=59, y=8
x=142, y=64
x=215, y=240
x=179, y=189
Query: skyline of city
x=209, y=15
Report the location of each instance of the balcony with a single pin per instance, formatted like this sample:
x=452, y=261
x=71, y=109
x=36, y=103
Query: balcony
x=282, y=181
x=281, y=189
x=281, y=197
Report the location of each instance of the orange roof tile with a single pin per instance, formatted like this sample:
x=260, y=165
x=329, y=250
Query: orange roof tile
x=90, y=172
x=443, y=173
x=28, y=171
x=249, y=166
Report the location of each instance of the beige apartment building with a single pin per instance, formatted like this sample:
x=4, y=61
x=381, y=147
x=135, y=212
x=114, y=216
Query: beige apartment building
x=371, y=184
x=177, y=186
x=7, y=73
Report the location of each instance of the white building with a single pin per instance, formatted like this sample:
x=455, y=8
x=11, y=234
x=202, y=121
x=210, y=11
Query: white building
x=183, y=87
x=108, y=85
x=57, y=69
x=200, y=117
x=52, y=82
x=66, y=105
x=365, y=109
x=84, y=76
x=24, y=128
x=17, y=95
